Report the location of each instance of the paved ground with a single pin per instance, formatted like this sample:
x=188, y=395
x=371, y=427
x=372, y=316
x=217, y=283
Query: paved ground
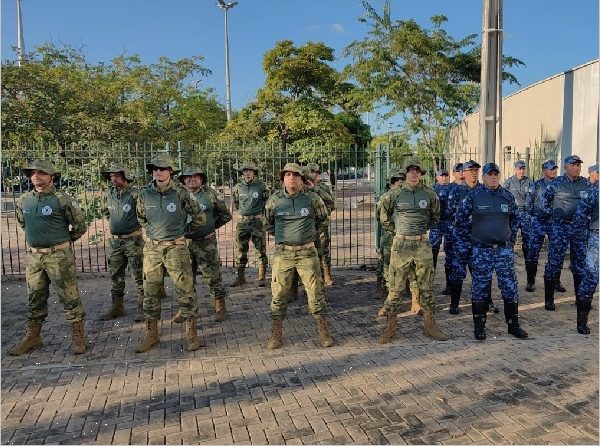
x=543, y=390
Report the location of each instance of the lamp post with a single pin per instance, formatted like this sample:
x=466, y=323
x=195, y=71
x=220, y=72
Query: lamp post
x=20, y=41
x=226, y=7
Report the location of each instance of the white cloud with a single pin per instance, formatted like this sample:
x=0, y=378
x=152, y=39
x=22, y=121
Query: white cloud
x=336, y=27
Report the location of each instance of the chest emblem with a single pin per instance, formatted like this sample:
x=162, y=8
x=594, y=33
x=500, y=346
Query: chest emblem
x=202, y=207
x=254, y=194
x=126, y=207
x=171, y=207
x=46, y=210
x=504, y=207
x=583, y=194
x=422, y=204
x=304, y=212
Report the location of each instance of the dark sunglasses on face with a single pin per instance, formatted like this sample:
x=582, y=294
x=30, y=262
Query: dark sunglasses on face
x=413, y=169
x=162, y=169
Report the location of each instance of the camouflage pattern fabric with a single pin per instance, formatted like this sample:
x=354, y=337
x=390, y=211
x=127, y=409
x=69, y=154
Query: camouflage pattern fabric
x=487, y=260
x=323, y=243
x=562, y=236
x=538, y=229
x=410, y=256
x=590, y=279
x=524, y=225
x=250, y=229
x=586, y=220
x=205, y=258
x=306, y=262
x=176, y=260
x=386, y=253
x=59, y=268
x=121, y=252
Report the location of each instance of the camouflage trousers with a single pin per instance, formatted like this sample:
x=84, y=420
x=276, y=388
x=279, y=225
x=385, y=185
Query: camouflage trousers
x=323, y=244
x=122, y=251
x=410, y=256
x=176, y=260
x=562, y=237
x=590, y=279
x=485, y=261
x=59, y=268
x=385, y=245
x=285, y=264
x=250, y=228
x=205, y=258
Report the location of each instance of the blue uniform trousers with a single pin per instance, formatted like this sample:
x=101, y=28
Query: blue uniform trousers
x=538, y=229
x=563, y=236
x=590, y=279
x=485, y=261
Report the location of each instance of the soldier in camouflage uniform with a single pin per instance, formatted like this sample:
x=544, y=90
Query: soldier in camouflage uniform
x=163, y=208
x=488, y=218
x=249, y=198
x=203, y=243
x=396, y=178
x=52, y=221
x=324, y=247
x=292, y=216
x=409, y=211
x=126, y=244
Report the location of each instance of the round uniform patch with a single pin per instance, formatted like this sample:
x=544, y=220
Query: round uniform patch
x=203, y=207
x=254, y=194
x=583, y=194
x=171, y=207
x=126, y=207
x=422, y=204
x=504, y=207
x=304, y=212
x=46, y=210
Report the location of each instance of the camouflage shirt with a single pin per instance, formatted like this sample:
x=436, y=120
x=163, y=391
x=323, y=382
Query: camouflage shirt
x=250, y=198
x=409, y=210
x=324, y=191
x=119, y=207
x=215, y=209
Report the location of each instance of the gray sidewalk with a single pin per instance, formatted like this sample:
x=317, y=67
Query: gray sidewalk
x=543, y=390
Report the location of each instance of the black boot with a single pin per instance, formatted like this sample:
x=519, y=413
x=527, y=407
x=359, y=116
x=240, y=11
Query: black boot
x=583, y=309
x=531, y=269
x=549, y=286
x=455, y=291
x=488, y=298
x=446, y=291
x=511, y=313
x=435, y=253
x=479, y=308
x=559, y=286
x=577, y=278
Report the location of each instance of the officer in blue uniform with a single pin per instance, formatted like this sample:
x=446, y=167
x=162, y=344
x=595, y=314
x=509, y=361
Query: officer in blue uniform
x=440, y=230
x=540, y=221
x=519, y=185
x=458, y=180
x=488, y=217
x=586, y=220
x=560, y=200
x=593, y=175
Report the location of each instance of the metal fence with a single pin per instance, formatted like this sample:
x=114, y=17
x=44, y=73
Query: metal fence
x=348, y=169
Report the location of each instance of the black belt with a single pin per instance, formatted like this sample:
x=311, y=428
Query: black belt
x=492, y=245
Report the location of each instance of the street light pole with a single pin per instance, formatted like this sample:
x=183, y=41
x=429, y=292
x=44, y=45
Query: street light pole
x=20, y=41
x=226, y=7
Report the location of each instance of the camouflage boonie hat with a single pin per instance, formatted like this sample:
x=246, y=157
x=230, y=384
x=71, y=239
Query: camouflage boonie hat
x=162, y=160
x=249, y=165
x=414, y=161
x=44, y=165
x=291, y=167
x=314, y=167
x=305, y=171
x=188, y=171
x=115, y=168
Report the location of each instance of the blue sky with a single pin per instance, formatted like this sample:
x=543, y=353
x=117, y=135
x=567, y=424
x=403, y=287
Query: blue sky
x=549, y=36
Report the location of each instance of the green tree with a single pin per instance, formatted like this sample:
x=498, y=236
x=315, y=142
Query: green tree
x=424, y=75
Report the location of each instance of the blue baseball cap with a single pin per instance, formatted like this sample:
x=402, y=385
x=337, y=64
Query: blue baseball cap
x=490, y=167
x=593, y=168
x=549, y=164
x=572, y=159
x=471, y=165
x=520, y=164
x=442, y=172
x=458, y=167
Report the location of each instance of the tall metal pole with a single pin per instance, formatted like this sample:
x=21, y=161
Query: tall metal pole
x=227, y=80
x=490, y=107
x=20, y=40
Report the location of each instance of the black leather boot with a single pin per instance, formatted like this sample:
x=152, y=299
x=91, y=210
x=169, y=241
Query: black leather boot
x=549, y=286
x=583, y=309
x=488, y=299
x=479, y=308
x=559, y=286
x=455, y=292
x=531, y=269
x=511, y=313
x=446, y=291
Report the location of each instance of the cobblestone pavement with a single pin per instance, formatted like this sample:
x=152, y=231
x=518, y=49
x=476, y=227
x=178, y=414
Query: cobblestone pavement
x=543, y=390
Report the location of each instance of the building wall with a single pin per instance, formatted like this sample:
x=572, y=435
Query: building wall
x=555, y=117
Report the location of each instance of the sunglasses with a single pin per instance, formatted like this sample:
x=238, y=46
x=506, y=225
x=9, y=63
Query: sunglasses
x=413, y=169
x=162, y=169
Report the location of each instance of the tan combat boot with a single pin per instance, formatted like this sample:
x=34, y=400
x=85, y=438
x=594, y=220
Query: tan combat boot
x=220, y=310
x=78, y=345
x=30, y=341
x=241, y=277
x=139, y=317
x=178, y=318
x=193, y=342
x=262, y=272
x=325, y=338
x=150, y=336
x=415, y=307
x=390, y=329
x=381, y=312
x=431, y=329
x=117, y=310
x=276, y=332
x=327, y=279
